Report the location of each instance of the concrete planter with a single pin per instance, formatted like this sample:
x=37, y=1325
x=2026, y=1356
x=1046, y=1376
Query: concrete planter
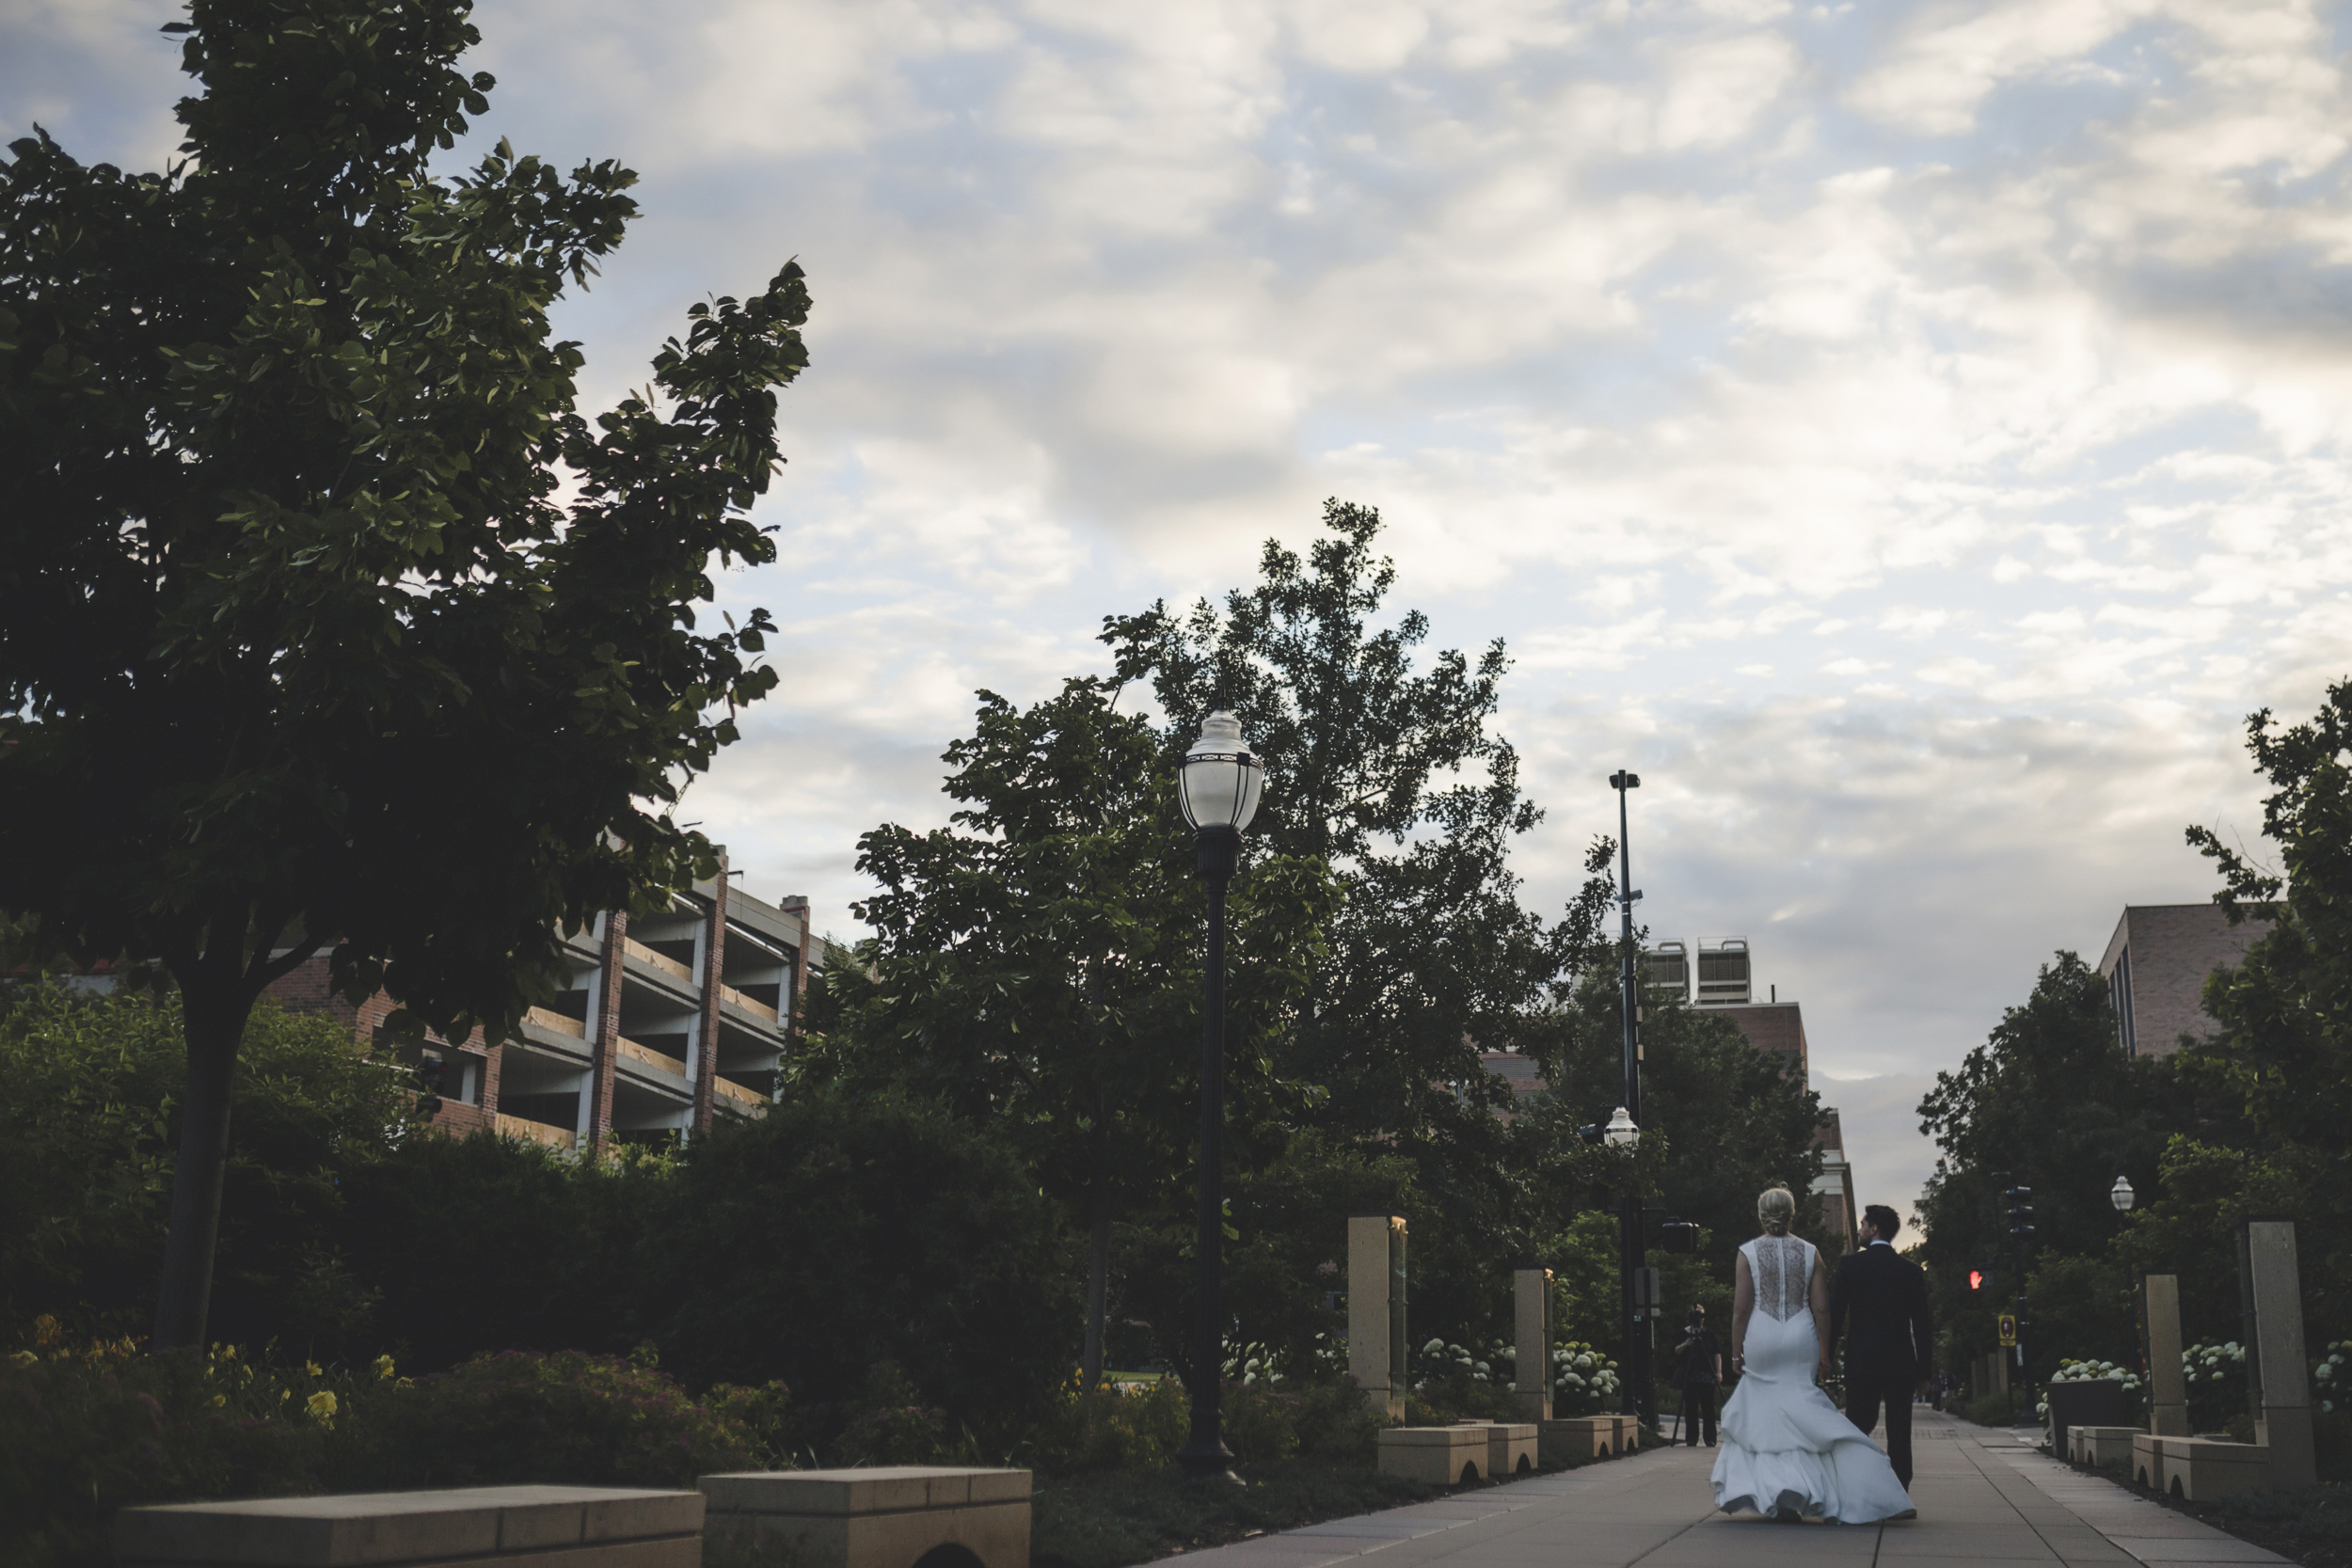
x=1437, y=1456
x=894, y=1516
x=528, y=1527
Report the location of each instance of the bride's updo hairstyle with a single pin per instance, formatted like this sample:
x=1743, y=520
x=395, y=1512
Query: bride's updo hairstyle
x=1776, y=1207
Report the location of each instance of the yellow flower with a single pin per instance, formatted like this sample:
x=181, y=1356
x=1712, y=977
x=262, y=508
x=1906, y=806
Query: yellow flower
x=284, y=1394
x=322, y=1407
x=311, y=1366
x=219, y=1400
x=46, y=1331
x=23, y=1359
x=384, y=1366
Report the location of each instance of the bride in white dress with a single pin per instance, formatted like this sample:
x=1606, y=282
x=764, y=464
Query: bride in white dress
x=1788, y=1452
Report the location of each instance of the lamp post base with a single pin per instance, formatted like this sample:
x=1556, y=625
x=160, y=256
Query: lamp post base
x=1213, y=1463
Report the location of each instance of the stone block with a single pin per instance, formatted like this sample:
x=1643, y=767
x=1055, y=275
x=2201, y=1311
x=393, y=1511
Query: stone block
x=1510, y=1448
x=2101, y=1445
x=2160, y=1319
x=1530, y=1300
x=2199, y=1470
x=2281, y=1386
x=1375, y=1310
x=891, y=1516
x=1584, y=1436
x=1438, y=1456
x=541, y=1526
x=1629, y=1433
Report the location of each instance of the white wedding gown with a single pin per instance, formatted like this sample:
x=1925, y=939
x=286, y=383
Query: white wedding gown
x=1784, y=1444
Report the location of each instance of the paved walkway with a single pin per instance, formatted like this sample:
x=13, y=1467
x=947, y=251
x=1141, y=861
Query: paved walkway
x=1983, y=1496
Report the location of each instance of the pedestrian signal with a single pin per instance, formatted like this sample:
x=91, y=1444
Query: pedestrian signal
x=2009, y=1328
x=1976, y=1279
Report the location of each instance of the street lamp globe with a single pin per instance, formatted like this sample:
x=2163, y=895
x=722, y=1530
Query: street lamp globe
x=1621, y=1132
x=2121, y=1196
x=1221, y=777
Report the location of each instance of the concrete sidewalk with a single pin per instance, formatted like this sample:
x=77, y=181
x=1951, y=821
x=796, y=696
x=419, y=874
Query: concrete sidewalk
x=1983, y=1496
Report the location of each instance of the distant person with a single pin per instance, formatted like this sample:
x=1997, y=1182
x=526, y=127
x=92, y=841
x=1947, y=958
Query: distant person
x=1880, y=1303
x=1699, y=1368
x=1787, y=1452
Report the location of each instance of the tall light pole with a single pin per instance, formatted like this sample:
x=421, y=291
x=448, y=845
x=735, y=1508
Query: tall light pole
x=1634, y=1308
x=1219, y=785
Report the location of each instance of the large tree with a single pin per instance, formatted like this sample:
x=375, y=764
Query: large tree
x=1381, y=764
x=1037, y=966
x=327, y=620
x=2051, y=1102
x=2280, y=1063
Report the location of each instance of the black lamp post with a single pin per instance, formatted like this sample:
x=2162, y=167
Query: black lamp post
x=1635, y=1309
x=1219, y=785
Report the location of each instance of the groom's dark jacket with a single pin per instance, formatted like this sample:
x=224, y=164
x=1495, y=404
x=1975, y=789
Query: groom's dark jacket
x=1879, y=1302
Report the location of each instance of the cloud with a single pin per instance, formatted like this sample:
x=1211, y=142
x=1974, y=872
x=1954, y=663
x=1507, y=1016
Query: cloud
x=1912, y=436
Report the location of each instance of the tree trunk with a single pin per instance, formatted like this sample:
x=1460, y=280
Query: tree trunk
x=1098, y=1276
x=216, y=1009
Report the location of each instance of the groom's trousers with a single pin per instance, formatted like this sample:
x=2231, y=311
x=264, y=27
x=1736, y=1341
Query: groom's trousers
x=1863, y=1401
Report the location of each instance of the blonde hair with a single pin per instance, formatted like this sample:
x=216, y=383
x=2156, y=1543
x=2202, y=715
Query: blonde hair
x=1776, y=1207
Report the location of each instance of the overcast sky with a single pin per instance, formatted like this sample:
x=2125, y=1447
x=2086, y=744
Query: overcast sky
x=1912, y=436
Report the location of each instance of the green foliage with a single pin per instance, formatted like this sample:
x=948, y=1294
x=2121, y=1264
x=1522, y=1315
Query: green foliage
x=565, y=1419
x=304, y=521
x=1121, y=1426
x=1037, y=966
x=86, y=1429
x=85, y=1133
x=1729, y=1119
x=938, y=1254
x=1381, y=766
x=551, y=1258
x=2050, y=1099
x=2281, y=1060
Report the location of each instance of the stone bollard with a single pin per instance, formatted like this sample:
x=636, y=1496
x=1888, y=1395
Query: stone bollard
x=891, y=1516
x=484, y=1526
x=2278, y=1382
x=2168, y=1394
x=1532, y=1300
x=1376, y=1311
x=1585, y=1436
x=1438, y=1456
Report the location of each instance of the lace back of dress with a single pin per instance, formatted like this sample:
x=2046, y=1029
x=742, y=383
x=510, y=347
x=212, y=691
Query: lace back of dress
x=1783, y=1278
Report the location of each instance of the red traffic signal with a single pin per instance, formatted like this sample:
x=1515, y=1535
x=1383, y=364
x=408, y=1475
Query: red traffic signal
x=1976, y=1279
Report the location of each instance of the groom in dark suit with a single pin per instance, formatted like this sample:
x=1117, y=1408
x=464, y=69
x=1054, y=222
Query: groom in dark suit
x=1890, y=1350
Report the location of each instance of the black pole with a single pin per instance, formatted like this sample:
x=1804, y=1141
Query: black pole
x=1204, y=1452
x=1635, y=1315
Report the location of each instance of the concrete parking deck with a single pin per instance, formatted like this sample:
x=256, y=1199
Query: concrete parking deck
x=1983, y=1496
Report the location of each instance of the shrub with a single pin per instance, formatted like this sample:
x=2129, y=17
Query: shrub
x=1323, y=1420
x=938, y=1255
x=564, y=1418
x=2215, y=1377
x=1121, y=1426
x=86, y=1429
x=86, y=1135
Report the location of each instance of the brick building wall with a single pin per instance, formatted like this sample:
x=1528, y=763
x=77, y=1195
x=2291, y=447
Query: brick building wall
x=2155, y=967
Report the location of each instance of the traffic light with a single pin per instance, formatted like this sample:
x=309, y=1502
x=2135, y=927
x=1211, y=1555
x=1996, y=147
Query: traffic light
x=1679, y=1236
x=2020, y=1215
x=1976, y=1279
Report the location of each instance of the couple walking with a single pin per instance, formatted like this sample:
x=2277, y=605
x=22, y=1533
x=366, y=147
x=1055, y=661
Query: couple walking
x=1787, y=1452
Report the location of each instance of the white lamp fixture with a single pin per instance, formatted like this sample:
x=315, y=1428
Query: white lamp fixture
x=1621, y=1132
x=2121, y=1196
x=1221, y=778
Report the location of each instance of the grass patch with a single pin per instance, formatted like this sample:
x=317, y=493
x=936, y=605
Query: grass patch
x=1112, y=1520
